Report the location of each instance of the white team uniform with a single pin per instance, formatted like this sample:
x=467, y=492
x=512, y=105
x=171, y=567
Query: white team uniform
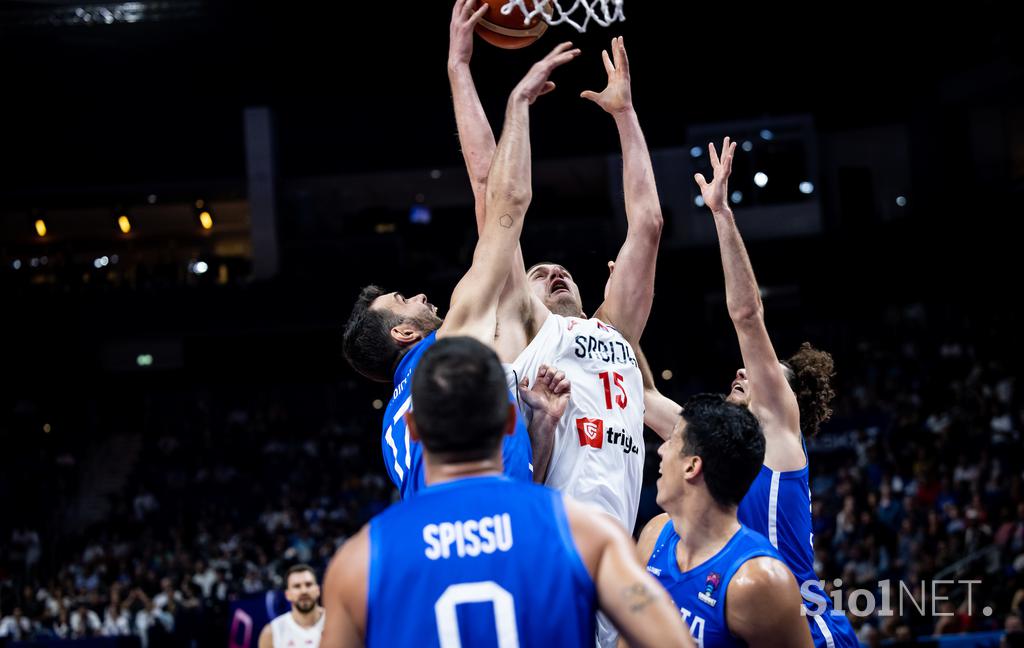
x=598, y=455
x=289, y=634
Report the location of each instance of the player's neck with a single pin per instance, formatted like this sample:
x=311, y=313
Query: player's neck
x=704, y=528
x=308, y=619
x=446, y=472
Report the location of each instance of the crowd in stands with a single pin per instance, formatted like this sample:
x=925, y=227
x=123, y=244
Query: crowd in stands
x=916, y=478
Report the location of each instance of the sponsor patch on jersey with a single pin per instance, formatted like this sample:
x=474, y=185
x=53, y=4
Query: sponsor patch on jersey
x=654, y=570
x=591, y=432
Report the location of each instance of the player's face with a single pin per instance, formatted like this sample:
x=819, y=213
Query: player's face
x=554, y=286
x=302, y=591
x=739, y=391
x=415, y=309
x=671, y=482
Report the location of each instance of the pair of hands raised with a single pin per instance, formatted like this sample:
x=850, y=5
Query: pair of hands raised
x=615, y=98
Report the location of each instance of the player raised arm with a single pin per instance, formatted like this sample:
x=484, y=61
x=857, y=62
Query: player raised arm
x=509, y=192
x=771, y=399
x=628, y=303
x=517, y=302
x=475, y=134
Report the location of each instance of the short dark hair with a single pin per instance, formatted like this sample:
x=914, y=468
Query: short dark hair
x=811, y=376
x=729, y=442
x=367, y=342
x=298, y=569
x=461, y=400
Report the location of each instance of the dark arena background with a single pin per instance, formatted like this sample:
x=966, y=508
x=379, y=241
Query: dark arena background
x=193, y=192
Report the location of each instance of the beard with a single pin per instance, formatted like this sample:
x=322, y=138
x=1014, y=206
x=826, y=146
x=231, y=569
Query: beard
x=426, y=323
x=305, y=606
x=564, y=304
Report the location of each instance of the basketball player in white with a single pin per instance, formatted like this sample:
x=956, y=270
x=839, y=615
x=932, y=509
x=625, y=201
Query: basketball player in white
x=597, y=452
x=598, y=449
x=301, y=627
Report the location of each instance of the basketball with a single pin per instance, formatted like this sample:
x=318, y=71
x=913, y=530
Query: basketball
x=508, y=31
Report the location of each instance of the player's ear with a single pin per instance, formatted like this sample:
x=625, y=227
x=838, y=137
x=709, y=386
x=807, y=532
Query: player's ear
x=510, y=420
x=410, y=425
x=694, y=467
x=404, y=334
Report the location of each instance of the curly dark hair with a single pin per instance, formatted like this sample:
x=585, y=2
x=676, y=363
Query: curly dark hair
x=810, y=376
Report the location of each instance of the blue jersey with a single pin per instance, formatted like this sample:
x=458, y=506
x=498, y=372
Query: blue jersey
x=403, y=457
x=700, y=592
x=483, y=562
x=778, y=506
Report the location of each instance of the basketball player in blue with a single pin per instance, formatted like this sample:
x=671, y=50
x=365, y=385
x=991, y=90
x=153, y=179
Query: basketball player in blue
x=387, y=333
x=477, y=559
x=730, y=585
x=789, y=400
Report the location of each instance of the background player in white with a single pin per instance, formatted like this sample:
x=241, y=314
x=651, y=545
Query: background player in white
x=301, y=626
x=559, y=560
x=598, y=451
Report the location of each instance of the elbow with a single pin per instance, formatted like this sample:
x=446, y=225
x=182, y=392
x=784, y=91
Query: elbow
x=649, y=224
x=744, y=315
x=654, y=224
x=509, y=196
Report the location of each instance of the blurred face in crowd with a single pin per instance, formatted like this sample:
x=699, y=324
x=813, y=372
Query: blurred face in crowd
x=302, y=591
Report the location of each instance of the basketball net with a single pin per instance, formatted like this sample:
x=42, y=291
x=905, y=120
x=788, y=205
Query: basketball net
x=579, y=15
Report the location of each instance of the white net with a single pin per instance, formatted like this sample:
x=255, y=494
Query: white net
x=579, y=15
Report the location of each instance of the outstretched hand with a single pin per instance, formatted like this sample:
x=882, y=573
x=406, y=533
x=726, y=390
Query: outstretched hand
x=536, y=82
x=716, y=192
x=465, y=16
x=617, y=96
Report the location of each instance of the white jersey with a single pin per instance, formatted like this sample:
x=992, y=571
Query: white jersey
x=288, y=633
x=598, y=455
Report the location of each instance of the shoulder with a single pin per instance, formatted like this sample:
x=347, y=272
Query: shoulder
x=758, y=579
x=650, y=534
x=350, y=562
x=266, y=639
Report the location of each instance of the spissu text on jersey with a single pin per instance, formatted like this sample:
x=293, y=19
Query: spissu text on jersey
x=613, y=352
x=468, y=538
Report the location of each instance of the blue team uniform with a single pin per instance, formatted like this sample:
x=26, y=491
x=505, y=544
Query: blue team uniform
x=778, y=506
x=700, y=592
x=403, y=457
x=482, y=562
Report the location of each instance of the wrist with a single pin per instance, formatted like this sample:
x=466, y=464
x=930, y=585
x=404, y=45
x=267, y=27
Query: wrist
x=722, y=212
x=625, y=113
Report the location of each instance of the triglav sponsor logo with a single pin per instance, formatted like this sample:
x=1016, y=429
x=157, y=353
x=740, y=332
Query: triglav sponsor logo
x=591, y=432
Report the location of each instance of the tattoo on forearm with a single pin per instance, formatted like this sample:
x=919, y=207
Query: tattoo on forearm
x=639, y=596
x=506, y=220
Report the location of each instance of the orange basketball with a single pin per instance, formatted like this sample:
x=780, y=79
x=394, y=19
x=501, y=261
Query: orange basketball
x=509, y=32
